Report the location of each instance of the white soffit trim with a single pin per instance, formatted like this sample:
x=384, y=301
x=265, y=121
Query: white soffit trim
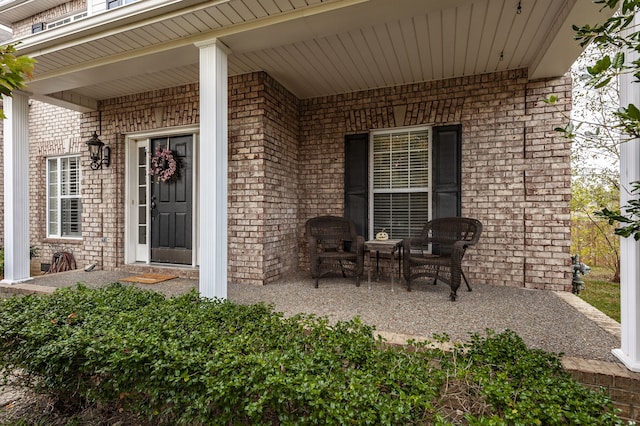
x=109, y=22
x=185, y=41
x=116, y=22
x=554, y=59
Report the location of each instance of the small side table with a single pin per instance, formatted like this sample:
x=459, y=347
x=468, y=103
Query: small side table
x=393, y=248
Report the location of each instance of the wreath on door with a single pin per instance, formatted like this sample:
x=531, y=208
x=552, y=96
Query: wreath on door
x=164, y=166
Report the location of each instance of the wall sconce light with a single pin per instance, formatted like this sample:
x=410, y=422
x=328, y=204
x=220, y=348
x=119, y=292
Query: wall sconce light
x=98, y=153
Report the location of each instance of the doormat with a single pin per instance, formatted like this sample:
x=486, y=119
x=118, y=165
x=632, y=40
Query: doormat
x=148, y=278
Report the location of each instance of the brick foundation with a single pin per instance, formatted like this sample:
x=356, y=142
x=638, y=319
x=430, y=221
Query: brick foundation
x=622, y=385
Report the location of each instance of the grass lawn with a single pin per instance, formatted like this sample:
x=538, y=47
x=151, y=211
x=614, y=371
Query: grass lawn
x=601, y=293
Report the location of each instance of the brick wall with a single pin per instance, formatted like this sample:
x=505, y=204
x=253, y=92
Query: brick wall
x=53, y=131
x=263, y=138
x=263, y=190
x=282, y=132
x=547, y=187
x=621, y=384
x=286, y=164
x=177, y=106
x=515, y=169
x=263, y=193
x=246, y=178
x=23, y=28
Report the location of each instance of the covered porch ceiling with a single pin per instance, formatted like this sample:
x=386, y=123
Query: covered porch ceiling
x=312, y=47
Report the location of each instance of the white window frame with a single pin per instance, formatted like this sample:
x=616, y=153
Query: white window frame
x=60, y=196
x=372, y=190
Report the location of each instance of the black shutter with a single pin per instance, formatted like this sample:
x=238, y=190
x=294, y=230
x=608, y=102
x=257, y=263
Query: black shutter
x=447, y=171
x=356, y=181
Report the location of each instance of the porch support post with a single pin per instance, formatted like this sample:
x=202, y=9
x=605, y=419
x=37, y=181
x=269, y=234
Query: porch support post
x=213, y=165
x=629, y=351
x=16, y=188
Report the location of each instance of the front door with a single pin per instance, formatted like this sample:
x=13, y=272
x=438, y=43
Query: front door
x=172, y=205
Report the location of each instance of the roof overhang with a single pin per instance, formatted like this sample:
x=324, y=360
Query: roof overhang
x=559, y=51
x=16, y=10
x=316, y=48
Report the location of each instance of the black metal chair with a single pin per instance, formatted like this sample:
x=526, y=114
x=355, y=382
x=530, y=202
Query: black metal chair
x=334, y=246
x=439, y=250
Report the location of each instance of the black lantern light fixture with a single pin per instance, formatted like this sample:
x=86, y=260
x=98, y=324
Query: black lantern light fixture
x=98, y=153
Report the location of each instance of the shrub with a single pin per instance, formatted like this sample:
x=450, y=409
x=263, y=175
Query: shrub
x=529, y=386
x=189, y=360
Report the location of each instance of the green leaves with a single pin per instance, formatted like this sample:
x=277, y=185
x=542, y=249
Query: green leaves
x=14, y=70
x=629, y=222
x=619, y=33
x=618, y=61
x=530, y=387
x=600, y=66
x=189, y=360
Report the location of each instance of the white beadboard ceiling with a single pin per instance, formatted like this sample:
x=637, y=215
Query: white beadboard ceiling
x=312, y=47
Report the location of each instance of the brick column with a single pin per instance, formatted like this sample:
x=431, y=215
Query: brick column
x=213, y=165
x=16, y=188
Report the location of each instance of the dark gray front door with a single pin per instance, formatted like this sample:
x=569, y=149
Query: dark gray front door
x=172, y=205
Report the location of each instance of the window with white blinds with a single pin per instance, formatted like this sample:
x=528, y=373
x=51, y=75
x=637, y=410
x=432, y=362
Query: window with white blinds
x=401, y=172
x=64, y=205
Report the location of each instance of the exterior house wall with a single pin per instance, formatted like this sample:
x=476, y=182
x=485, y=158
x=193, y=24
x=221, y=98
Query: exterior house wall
x=23, y=28
x=286, y=164
x=263, y=135
x=97, y=6
x=53, y=131
x=263, y=194
x=516, y=176
x=246, y=178
x=282, y=133
x=177, y=106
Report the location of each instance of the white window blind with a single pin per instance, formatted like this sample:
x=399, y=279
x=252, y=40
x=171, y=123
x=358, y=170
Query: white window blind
x=64, y=204
x=401, y=184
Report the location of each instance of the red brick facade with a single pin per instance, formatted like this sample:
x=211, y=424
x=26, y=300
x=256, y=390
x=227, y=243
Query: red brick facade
x=286, y=164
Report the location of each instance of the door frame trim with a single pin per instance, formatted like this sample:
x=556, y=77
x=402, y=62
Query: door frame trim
x=130, y=189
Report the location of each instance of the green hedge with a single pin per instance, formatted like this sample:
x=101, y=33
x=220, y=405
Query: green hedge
x=190, y=360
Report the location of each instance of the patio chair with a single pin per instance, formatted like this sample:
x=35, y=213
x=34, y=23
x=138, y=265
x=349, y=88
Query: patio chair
x=439, y=250
x=334, y=246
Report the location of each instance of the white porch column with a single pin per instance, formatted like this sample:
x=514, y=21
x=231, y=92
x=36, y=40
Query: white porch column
x=16, y=188
x=213, y=166
x=629, y=351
